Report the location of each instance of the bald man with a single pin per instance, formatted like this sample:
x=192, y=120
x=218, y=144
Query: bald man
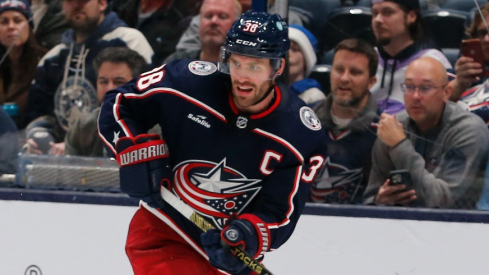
x=216, y=18
x=441, y=147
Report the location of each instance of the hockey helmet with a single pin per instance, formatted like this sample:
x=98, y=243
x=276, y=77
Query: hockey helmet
x=259, y=35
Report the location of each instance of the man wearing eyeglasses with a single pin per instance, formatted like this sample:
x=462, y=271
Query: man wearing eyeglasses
x=442, y=147
x=398, y=29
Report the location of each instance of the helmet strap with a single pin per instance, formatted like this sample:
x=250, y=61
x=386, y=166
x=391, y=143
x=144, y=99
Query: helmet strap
x=276, y=74
x=265, y=95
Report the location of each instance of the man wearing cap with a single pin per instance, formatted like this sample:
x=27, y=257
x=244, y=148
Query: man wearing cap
x=302, y=58
x=349, y=116
x=64, y=87
x=398, y=27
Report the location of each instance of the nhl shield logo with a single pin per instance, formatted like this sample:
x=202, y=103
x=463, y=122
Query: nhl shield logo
x=310, y=119
x=241, y=122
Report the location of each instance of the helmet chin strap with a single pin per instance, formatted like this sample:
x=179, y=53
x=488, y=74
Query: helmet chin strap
x=265, y=95
x=269, y=90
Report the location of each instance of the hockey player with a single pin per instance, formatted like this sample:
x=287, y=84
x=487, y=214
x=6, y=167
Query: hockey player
x=243, y=152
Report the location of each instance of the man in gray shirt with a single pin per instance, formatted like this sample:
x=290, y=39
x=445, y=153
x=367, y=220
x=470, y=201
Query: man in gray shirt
x=443, y=147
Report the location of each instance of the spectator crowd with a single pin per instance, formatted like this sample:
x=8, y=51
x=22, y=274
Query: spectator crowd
x=395, y=105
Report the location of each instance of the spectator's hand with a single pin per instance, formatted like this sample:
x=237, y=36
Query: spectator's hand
x=57, y=149
x=31, y=147
x=467, y=72
x=390, y=131
x=393, y=194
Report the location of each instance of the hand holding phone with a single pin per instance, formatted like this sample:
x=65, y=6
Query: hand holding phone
x=473, y=48
x=401, y=177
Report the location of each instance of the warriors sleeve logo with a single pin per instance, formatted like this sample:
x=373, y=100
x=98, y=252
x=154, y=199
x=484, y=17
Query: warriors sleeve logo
x=214, y=190
x=310, y=119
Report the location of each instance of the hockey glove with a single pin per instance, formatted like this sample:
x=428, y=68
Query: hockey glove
x=144, y=167
x=251, y=237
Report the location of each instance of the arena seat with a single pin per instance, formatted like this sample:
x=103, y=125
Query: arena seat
x=368, y=4
x=349, y=22
x=320, y=10
x=445, y=26
x=364, y=3
x=462, y=5
x=322, y=74
x=452, y=55
x=327, y=57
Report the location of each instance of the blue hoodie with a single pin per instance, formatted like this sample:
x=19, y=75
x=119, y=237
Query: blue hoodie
x=69, y=60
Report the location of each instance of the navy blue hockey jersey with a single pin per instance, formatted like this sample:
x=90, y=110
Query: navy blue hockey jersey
x=345, y=175
x=225, y=163
x=476, y=99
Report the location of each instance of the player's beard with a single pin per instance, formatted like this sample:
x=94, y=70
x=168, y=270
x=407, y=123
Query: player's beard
x=262, y=89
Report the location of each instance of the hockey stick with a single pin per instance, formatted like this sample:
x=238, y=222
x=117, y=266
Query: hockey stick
x=189, y=213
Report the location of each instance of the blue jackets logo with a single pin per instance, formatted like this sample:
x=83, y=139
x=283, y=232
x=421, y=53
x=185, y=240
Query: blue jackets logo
x=214, y=190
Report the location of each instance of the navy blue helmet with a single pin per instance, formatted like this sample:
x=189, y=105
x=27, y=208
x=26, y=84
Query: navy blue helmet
x=257, y=34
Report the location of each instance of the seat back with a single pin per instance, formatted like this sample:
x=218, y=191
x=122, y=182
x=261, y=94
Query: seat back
x=320, y=10
x=322, y=74
x=349, y=22
x=452, y=55
x=462, y=5
x=446, y=27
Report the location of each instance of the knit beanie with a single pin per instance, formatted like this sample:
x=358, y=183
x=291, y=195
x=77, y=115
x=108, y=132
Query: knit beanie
x=308, y=44
x=21, y=6
x=408, y=4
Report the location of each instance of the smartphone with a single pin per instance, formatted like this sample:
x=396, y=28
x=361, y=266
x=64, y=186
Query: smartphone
x=473, y=48
x=401, y=177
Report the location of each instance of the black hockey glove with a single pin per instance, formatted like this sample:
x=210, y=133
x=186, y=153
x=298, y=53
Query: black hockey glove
x=144, y=167
x=249, y=236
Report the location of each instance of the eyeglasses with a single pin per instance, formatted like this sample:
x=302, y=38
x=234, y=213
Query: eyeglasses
x=422, y=89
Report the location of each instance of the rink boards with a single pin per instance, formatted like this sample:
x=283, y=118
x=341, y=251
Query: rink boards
x=59, y=233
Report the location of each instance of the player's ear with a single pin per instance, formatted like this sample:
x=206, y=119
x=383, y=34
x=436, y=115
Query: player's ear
x=282, y=67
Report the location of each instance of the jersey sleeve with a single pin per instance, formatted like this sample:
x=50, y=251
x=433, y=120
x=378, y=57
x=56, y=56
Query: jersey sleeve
x=130, y=109
x=285, y=195
x=286, y=189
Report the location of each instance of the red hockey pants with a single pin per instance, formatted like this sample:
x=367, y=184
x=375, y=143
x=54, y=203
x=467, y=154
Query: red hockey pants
x=154, y=248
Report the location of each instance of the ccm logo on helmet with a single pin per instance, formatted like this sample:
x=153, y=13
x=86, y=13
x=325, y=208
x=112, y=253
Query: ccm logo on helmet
x=246, y=43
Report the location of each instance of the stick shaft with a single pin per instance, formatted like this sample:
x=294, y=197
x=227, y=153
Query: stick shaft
x=189, y=213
